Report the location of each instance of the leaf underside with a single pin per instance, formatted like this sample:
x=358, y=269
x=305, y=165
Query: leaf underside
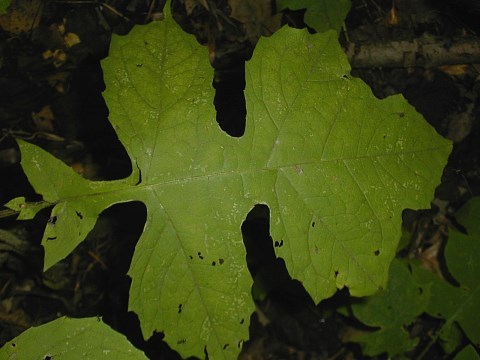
x=335, y=165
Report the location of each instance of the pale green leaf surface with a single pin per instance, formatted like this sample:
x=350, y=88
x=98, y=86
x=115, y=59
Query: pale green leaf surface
x=322, y=15
x=459, y=305
x=71, y=339
x=391, y=310
x=335, y=165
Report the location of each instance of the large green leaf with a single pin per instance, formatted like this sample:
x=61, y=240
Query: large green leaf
x=322, y=15
x=335, y=165
x=70, y=339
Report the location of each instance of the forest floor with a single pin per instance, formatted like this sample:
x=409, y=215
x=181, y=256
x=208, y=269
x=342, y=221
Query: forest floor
x=51, y=87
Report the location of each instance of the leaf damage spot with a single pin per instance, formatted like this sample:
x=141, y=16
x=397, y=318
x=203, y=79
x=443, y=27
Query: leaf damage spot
x=191, y=257
x=180, y=308
x=225, y=346
x=279, y=244
x=221, y=261
x=336, y=273
x=313, y=224
x=200, y=256
x=79, y=215
x=376, y=252
x=181, y=341
x=53, y=220
x=51, y=238
x=242, y=321
x=214, y=263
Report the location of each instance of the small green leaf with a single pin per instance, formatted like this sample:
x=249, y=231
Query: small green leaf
x=4, y=6
x=392, y=310
x=451, y=337
x=322, y=15
x=71, y=339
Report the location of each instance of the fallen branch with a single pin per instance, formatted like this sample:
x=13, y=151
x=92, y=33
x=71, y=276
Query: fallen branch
x=421, y=52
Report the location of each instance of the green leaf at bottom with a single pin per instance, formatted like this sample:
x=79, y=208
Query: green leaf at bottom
x=71, y=339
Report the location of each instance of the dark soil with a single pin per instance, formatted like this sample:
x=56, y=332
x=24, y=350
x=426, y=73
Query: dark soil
x=51, y=95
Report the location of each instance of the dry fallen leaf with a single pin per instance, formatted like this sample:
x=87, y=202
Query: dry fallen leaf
x=44, y=119
x=71, y=39
x=23, y=16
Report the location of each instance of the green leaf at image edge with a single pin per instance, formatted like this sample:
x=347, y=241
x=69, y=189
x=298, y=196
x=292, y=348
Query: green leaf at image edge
x=4, y=6
x=459, y=305
x=335, y=165
x=392, y=310
x=71, y=339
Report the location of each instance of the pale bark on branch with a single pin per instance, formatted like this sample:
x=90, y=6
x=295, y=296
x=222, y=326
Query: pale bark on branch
x=421, y=52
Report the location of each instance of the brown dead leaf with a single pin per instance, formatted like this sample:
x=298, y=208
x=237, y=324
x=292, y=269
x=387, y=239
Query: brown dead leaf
x=17, y=318
x=256, y=17
x=454, y=70
x=44, y=119
x=392, y=17
x=59, y=81
x=23, y=16
x=71, y=39
x=191, y=4
x=430, y=257
x=58, y=56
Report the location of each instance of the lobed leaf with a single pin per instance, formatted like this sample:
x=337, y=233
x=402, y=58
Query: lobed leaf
x=335, y=165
